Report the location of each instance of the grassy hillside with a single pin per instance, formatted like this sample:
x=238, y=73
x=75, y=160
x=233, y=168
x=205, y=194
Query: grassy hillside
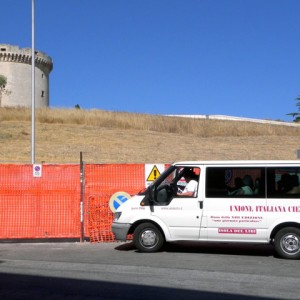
x=117, y=137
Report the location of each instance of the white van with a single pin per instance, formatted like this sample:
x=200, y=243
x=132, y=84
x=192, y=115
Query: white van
x=230, y=201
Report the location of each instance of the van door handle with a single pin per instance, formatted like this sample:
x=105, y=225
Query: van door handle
x=201, y=204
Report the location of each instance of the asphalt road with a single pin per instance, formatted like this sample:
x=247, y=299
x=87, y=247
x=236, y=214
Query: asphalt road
x=117, y=271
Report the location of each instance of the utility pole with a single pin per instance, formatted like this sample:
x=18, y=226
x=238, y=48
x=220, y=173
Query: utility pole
x=32, y=84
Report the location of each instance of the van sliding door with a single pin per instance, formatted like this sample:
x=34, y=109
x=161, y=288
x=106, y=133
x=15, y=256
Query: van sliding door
x=234, y=201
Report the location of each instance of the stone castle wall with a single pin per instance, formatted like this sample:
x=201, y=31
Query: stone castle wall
x=15, y=65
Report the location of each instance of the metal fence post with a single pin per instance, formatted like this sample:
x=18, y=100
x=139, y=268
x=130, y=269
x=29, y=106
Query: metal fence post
x=82, y=181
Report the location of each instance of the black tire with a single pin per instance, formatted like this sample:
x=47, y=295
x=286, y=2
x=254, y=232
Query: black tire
x=148, y=238
x=287, y=243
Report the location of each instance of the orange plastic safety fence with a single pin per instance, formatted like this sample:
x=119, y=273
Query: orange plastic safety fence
x=39, y=207
x=99, y=220
x=49, y=206
x=102, y=181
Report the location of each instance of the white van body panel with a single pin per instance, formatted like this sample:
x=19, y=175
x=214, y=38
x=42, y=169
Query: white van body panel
x=182, y=218
x=133, y=212
x=234, y=220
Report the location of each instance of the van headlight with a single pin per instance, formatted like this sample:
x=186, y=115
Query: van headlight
x=117, y=215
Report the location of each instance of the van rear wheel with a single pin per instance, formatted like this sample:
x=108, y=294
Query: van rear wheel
x=148, y=238
x=287, y=243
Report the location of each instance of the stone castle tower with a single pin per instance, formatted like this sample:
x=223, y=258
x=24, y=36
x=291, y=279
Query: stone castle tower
x=15, y=65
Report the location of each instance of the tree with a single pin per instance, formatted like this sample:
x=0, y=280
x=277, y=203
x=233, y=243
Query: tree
x=296, y=115
x=3, y=82
x=3, y=90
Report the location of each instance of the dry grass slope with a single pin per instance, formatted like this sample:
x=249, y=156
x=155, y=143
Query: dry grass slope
x=119, y=137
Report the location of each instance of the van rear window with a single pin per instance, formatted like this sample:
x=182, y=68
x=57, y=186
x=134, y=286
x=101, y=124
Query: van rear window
x=283, y=182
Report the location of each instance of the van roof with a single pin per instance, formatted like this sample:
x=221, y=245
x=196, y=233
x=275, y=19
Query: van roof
x=240, y=162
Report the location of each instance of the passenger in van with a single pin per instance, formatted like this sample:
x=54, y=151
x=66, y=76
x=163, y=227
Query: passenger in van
x=191, y=187
x=257, y=186
x=285, y=183
x=238, y=183
x=294, y=183
x=247, y=188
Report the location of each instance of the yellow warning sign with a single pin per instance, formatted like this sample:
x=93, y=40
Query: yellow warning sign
x=153, y=174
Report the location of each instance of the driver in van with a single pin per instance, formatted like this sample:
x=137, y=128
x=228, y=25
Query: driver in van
x=191, y=187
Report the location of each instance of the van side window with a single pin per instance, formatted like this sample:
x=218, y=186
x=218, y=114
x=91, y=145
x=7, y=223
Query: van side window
x=188, y=182
x=233, y=182
x=283, y=182
x=180, y=182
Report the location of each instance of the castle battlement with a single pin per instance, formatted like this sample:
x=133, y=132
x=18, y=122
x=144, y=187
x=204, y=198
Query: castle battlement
x=10, y=53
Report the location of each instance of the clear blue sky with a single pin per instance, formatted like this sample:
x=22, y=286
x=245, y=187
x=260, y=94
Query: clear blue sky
x=229, y=57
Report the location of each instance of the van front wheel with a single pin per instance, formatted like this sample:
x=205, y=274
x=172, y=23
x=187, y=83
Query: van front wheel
x=287, y=243
x=148, y=238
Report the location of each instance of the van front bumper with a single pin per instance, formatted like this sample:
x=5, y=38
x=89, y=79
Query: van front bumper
x=120, y=230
